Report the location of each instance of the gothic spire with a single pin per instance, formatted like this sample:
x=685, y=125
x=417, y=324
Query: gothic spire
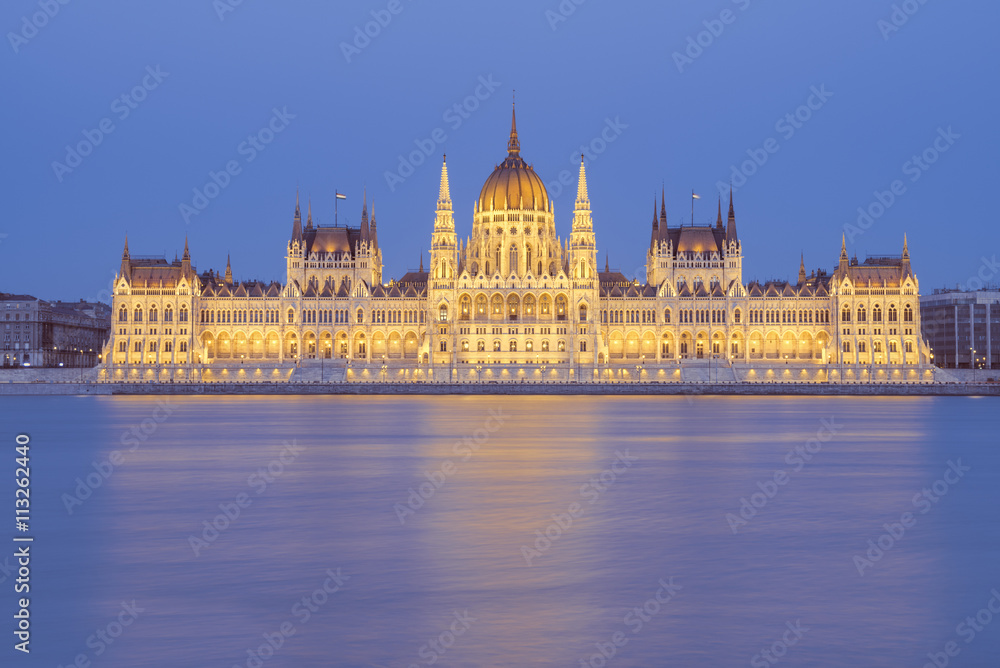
x=187, y=255
x=606, y=265
x=374, y=228
x=421, y=270
x=802, y=268
x=297, y=220
x=513, y=145
x=444, y=196
x=582, y=197
x=718, y=220
x=229, y=271
x=731, y=224
x=309, y=218
x=663, y=207
x=125, y=252
x=364, y=217
x=655, y=234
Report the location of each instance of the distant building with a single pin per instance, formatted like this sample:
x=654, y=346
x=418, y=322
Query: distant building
x=51, y=334
x=963, y=328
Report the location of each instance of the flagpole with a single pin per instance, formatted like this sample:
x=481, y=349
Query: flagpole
x=693, y=198
x=336, y=201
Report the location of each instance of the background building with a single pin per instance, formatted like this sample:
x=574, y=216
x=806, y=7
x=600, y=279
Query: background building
x=52, y=334
x=963, y=328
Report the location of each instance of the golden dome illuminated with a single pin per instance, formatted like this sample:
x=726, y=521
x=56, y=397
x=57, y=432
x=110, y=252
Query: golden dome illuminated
x=513, y=184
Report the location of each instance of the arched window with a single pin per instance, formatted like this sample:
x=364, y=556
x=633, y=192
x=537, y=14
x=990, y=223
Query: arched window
x=168, y=314
x=481, y=305
x=666, y=316
x=512, y=346
x=736, y=316
x=560, y=307
x=183, y=314
x=527, y=257
x=496, y=346
x=861, y=314
x=444, y=346
x=562, y=346
x=123, y=314
x=545, y=346
x=583, y=346
x=845, y=314
x=481, y=346
x=138, y=315
x=464, y=307
x=893, y=314
x=152, y=314
x=361, y=315
x=443, y=313
x=876, y=313
x=907, y=314
x=583, y=313
x=513, y=259
x=496, y=256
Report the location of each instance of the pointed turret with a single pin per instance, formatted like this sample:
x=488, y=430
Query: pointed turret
x=186, y=258
x=364, y=218
x=309, y=216
x=297, y=220
x=655, y=234
x=663, y=208
x=718, y=219
x=802, y=269
x=229, y=271
x=844, y=261
x=513, y=145
x=582, y=198
x=731, y=224
x=906, y=258
x=421, y=270
x=444, y=194
x=127, y=263
x=374, y=228
x=607, y=267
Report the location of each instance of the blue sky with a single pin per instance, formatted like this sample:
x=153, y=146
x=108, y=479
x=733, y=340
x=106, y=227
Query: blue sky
x=689, y=91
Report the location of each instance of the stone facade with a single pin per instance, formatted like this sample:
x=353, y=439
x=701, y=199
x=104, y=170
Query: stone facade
x=513, y=299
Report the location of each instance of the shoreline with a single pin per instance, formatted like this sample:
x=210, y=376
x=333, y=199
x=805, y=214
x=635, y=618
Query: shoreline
x=65, y=388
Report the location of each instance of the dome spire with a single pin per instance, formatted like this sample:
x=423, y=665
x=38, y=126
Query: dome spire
x=513, y=145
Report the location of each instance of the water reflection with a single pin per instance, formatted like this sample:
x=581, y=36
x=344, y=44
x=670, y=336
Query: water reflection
x=476, y=478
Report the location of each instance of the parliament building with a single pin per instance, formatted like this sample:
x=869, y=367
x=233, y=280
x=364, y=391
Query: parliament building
x=514, y=301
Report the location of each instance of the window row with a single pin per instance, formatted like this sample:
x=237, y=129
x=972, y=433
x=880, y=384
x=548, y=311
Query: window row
x=152, y=315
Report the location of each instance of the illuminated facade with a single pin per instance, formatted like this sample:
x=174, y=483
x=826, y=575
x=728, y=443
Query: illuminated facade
x=515, y=295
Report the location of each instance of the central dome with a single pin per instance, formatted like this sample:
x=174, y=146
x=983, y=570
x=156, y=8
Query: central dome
x=513, y=184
